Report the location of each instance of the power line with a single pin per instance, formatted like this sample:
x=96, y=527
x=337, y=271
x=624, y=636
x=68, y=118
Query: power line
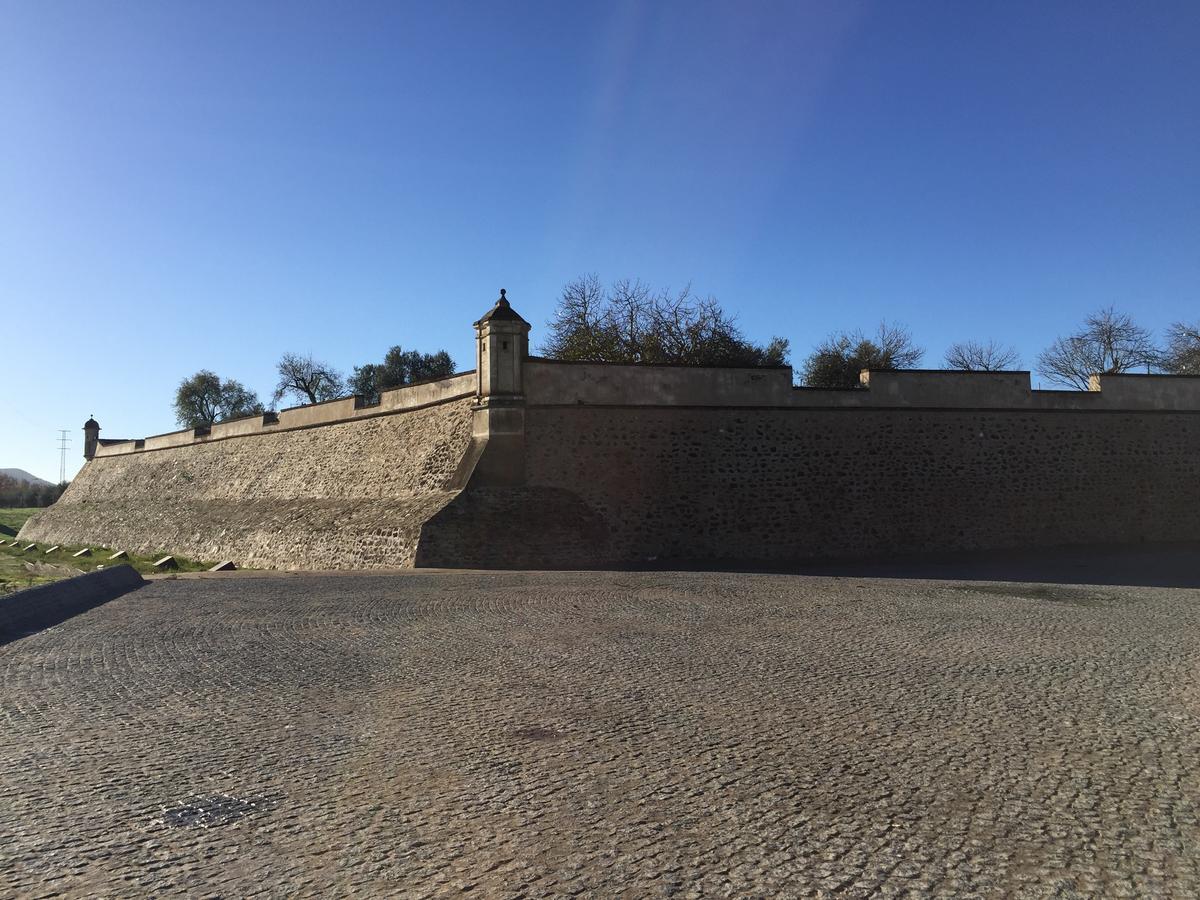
x=63, y=441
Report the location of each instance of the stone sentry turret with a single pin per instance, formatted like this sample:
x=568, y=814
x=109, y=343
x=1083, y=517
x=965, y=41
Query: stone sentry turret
x=91, y=438
x=501, y=348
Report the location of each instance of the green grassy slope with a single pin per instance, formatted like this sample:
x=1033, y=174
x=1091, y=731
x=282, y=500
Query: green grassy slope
x=20, y=568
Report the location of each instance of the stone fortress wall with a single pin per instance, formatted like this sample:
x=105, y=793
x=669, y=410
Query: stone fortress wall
x=526, y=462
x=317, y=490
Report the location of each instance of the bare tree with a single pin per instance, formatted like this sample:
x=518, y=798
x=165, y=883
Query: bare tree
x=1109, y=343
x=580, y=328
x=1182, y=356
x=631, y=323
x=306, y=379
x=837, y=361
x=975, y=356
x=631, y=314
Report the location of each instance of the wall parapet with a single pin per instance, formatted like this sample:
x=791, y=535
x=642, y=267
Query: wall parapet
x=508, y=376
x=344, y=409
x=553, y=383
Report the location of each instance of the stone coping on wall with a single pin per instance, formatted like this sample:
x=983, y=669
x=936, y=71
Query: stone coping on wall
x=397, y=400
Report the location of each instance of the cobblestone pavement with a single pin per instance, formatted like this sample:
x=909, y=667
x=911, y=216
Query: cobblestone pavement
x=605, y=734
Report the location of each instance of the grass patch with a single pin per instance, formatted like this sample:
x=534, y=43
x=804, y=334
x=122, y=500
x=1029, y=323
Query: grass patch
x=19, y=569
x=12, y=518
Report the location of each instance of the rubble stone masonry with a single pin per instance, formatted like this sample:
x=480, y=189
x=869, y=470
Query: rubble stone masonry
x=343, y=495
x=585, y=465
x=771, y=485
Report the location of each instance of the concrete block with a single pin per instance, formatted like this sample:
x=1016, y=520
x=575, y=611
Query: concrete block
x=53, y=549
x=84, y=552
x=30, y=547
x=167, y=562
x=226, y=566
x=120, y=554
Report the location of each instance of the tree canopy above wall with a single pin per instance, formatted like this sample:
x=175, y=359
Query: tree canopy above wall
x=629, y=322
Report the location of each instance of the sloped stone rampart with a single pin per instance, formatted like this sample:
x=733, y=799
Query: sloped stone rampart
x=346, y=495
x=381, y=457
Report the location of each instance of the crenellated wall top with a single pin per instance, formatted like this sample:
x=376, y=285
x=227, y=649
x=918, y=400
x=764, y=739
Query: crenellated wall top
x=553, y=383
x=502, y=345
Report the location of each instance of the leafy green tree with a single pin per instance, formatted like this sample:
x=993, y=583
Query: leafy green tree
x=47, y=494
x=31, y=495
x=10, y=491
x=630, y=323
x=837, y=361
x=204, y=399
x=20, y=493
x=399, y=367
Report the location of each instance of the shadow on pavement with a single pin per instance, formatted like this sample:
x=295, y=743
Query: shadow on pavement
x=1144, y=565
x=27, y=612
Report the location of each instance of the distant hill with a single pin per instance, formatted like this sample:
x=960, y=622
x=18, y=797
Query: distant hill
x=22, y=475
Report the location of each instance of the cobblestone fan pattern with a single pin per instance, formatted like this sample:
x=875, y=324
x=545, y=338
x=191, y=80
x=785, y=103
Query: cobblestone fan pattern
x=788, y=484
x=605, y=735
x=349, y=495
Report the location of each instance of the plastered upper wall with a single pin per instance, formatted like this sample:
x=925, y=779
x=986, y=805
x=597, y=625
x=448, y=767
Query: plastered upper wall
x=1148, y=391
x=553, y=383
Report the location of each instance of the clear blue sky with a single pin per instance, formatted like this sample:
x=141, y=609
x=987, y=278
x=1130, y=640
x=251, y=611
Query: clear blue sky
x=207, y=185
